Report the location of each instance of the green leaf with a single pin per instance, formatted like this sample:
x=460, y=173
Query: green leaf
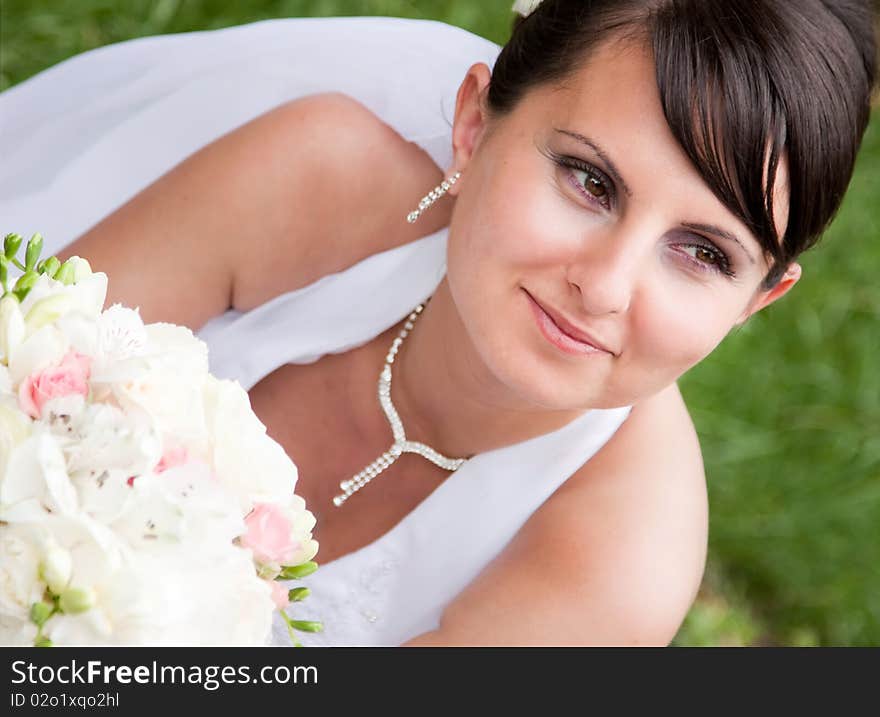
x=43, y=642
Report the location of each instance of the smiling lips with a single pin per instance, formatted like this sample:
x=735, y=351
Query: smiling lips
x=563, y=334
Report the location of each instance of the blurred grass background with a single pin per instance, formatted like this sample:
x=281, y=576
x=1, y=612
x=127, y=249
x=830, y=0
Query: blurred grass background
x=788, y=408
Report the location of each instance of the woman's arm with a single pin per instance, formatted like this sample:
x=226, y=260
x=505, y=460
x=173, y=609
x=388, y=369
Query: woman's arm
x=614, y=557
x=301, y=191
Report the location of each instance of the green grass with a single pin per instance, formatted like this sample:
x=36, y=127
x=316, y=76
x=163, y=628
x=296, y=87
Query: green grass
x=788, y=408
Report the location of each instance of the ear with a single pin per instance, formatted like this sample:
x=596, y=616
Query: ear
x=470, y=117
x=765, y=298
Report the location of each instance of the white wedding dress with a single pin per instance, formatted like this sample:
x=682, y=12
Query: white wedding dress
x=81, y=138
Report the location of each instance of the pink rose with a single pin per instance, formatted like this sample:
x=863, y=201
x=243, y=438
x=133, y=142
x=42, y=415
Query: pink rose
x=269, y=535
x=71, y=376
x=279, y=594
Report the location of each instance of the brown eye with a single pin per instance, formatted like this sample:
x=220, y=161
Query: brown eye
x=587, y=180
x=705, y=256
x=595, y=187
x=708, y=258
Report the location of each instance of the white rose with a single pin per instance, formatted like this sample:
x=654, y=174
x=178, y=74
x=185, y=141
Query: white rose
x=246, y=459
x=170, y=387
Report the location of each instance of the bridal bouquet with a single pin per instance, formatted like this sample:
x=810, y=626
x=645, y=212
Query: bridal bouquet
x=141, y=501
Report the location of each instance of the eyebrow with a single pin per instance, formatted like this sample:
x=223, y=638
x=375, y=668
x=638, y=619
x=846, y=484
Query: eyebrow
x=718, y=231
x=612, y=170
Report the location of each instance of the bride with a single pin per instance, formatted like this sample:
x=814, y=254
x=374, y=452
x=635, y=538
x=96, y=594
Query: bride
x=488, y=372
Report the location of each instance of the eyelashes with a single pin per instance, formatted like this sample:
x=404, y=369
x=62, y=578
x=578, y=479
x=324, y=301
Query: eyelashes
x=598, y=181
x=599, y=189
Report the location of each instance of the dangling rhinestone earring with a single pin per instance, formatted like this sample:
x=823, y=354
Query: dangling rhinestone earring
x=432, y=197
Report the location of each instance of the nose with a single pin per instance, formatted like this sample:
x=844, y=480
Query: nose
x=605, y=273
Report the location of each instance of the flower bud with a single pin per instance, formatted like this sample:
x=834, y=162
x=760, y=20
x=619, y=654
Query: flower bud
x=56, y=567
x=292, y=572
x=66, y=273
x=298, y=594
x=76, y=600
x=40, y=612
x=24, y=284
x=81, y=268
x=11, y=244
x=49, y=266
x=34, y=247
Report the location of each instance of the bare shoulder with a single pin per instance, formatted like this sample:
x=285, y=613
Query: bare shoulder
x=614, y=557
x=342, y=182
x=303, y=190
x=639, y=511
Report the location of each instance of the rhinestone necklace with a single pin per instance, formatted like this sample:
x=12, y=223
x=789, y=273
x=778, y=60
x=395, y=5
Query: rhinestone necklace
x=400, y=445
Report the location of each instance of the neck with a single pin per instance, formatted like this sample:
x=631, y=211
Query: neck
x=448, y=398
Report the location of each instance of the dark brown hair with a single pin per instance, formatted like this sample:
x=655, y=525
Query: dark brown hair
x=740, y=82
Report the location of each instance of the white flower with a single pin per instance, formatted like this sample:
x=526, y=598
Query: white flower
x=47, y=310
x=125, y=499
x=15, y=426
x=56, y=566
x=103, y=437
x=246, y=460
x=168, y=387
x=177, y=593
x=12, y=327
x=302, y=522
x=36, y=475
x=116, y=342
x=87, y=295
x=45, y=347
x=20, y=584
x=525, y=7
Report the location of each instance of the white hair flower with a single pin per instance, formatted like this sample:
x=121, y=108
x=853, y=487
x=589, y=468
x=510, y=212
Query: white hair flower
x=525, y=7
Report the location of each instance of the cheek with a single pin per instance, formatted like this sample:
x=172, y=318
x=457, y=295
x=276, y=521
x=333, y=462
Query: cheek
x=676, y=332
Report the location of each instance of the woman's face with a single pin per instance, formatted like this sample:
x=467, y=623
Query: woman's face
x=582, y=202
